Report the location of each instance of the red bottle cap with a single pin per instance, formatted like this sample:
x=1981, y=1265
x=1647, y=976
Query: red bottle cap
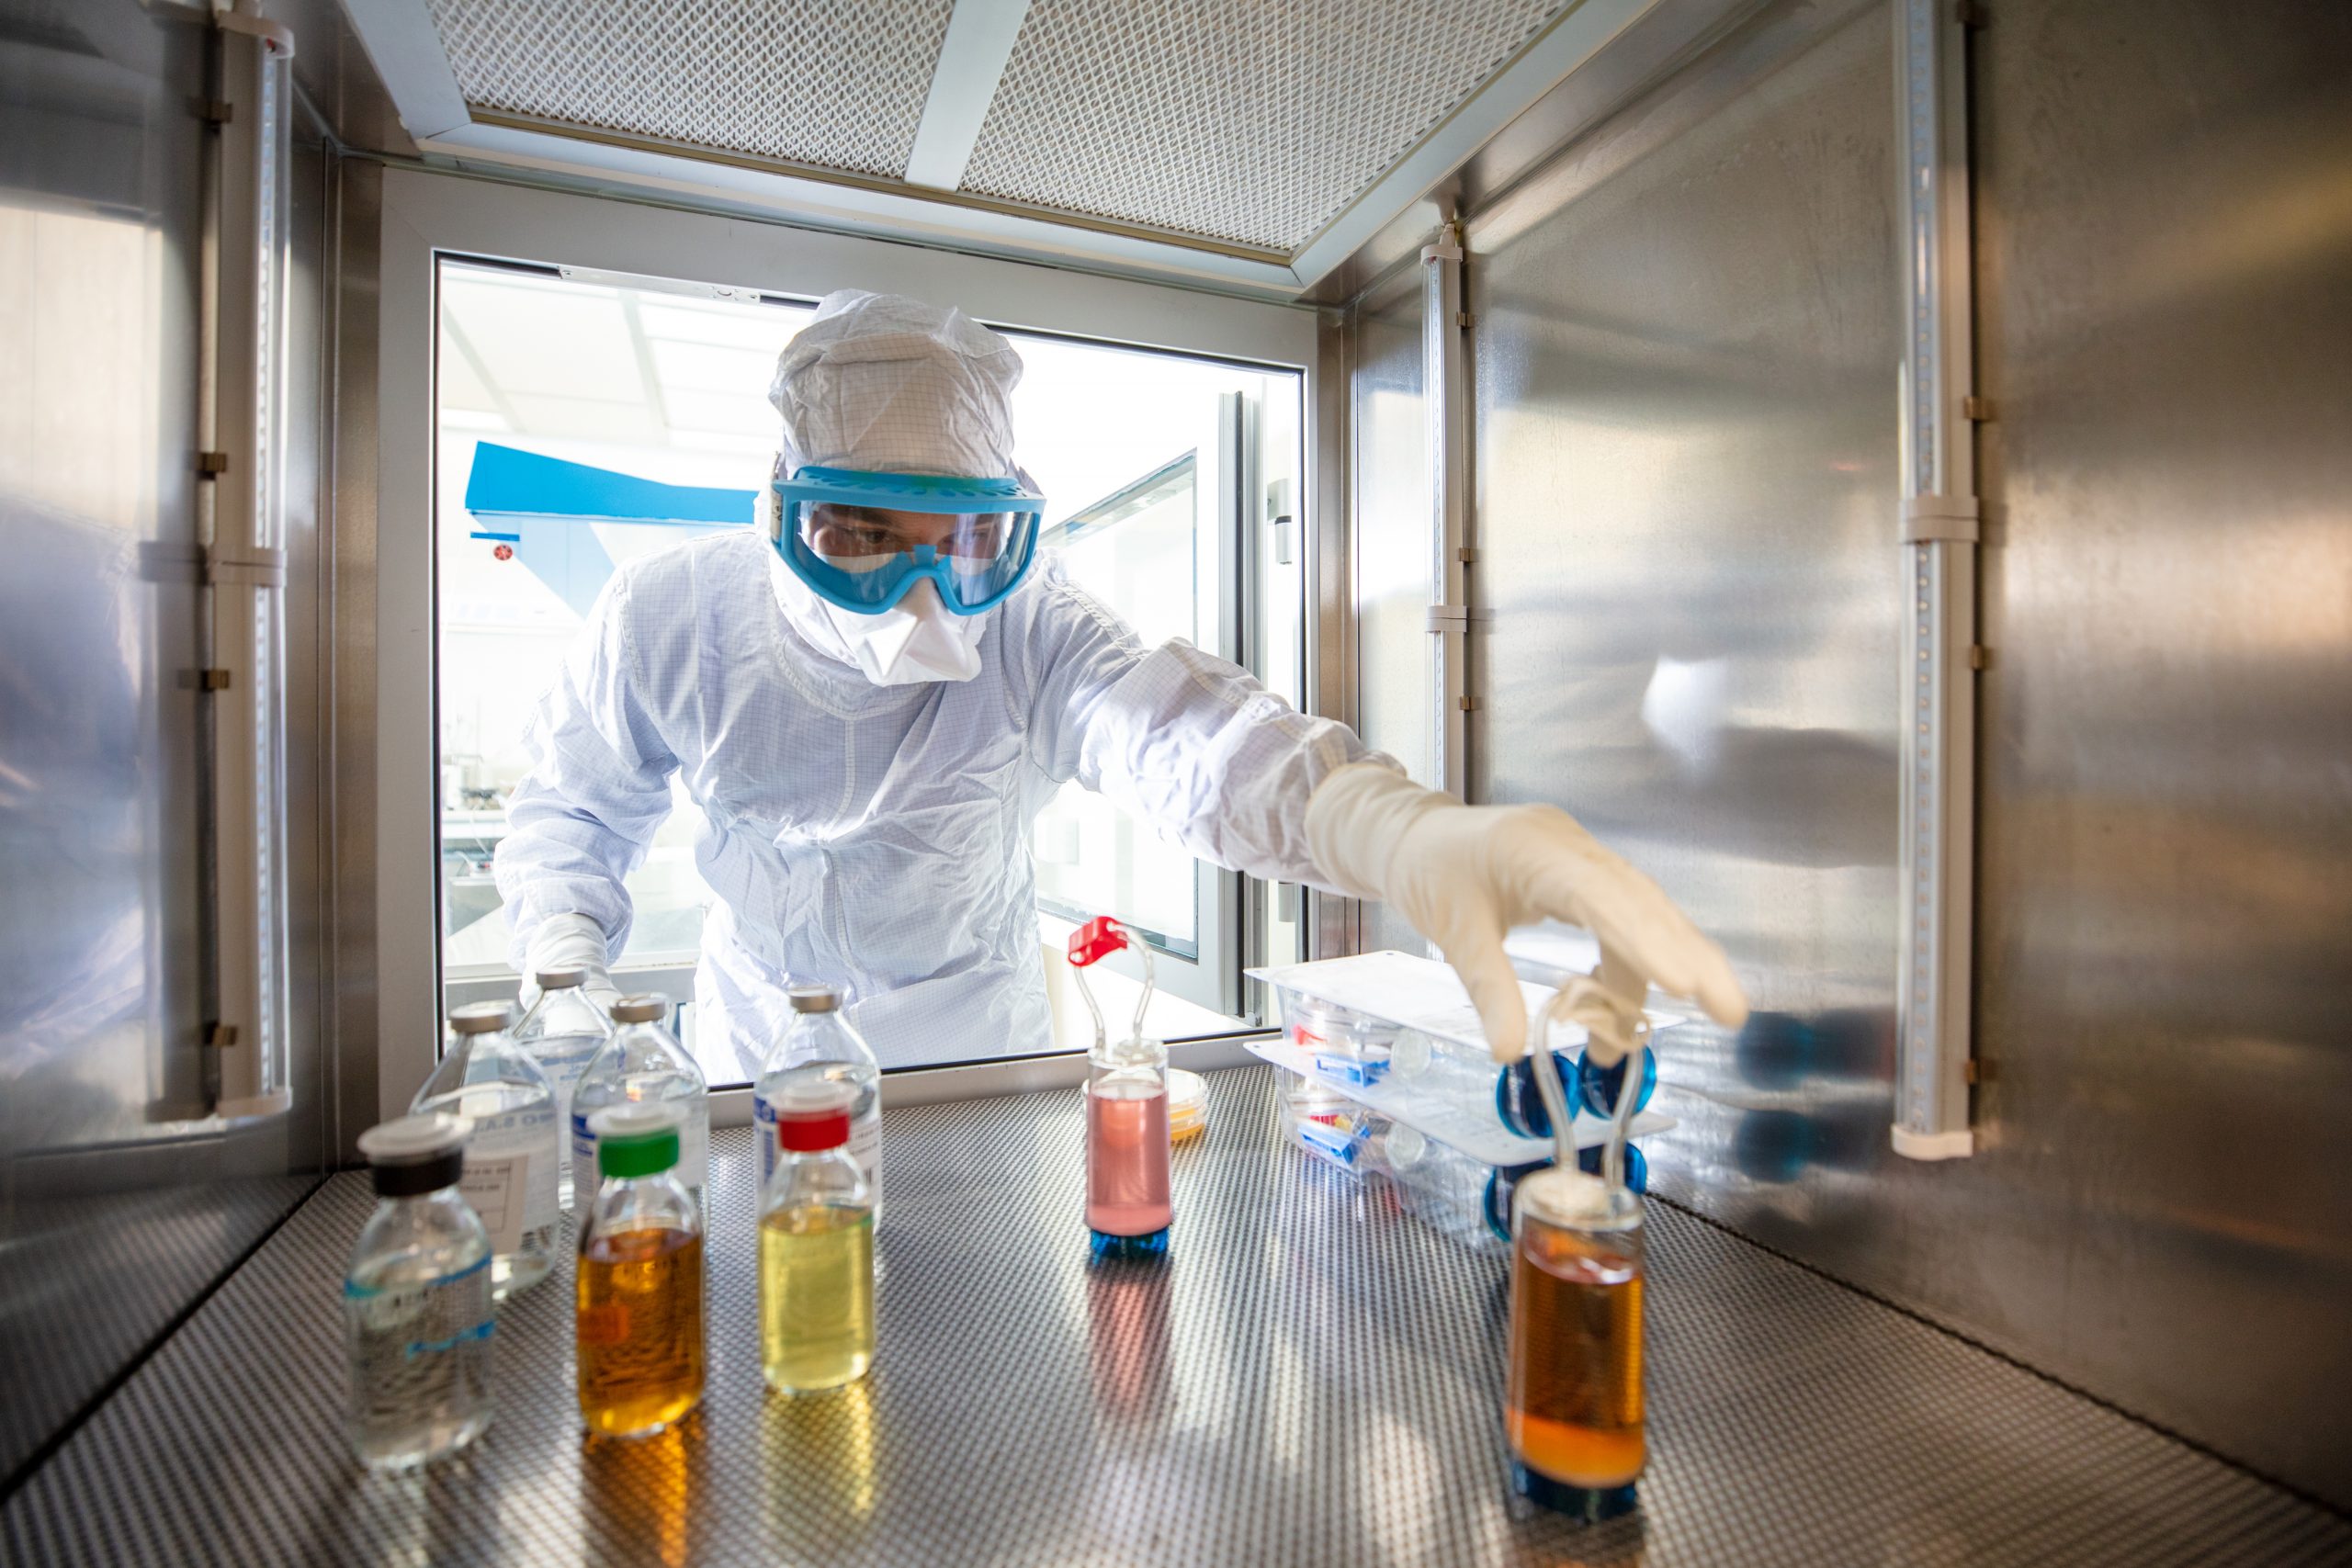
x=1098, y=938
x=811, y=1117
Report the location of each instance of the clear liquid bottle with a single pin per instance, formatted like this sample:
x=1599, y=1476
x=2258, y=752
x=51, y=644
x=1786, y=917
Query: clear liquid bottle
x=563, y=1032
x=1572, y=1402
x=816, y=1246
x=416, y=1308
x=638, y=1289
x=514, y=1157
x=642, y=1065
x=821, y=1047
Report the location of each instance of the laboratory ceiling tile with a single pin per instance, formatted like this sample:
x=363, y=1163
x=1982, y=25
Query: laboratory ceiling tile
x=1235, y=119
x=837, y=84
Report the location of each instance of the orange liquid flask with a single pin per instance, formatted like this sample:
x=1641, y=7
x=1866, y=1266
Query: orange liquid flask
x=1572, y=1404
x=638, y=1330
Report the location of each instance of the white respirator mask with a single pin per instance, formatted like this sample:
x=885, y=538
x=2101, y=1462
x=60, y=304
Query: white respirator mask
x=915, y=640
x=918, y=639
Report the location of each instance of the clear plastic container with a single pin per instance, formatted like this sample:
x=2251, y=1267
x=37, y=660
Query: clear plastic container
x=1326, y=1123
x=1597, y=1088
x=514, y=1158
x=639, y=1346
x=1502, y=1182
x=1188, y=1105
x=643, y=1065
x=823, y=1047
x=1573, y=1402
x=563, y=1032
x=1440, y=1186
x=1351, y=1047
x=1399, y=1035
x=1466, y=1199
x=816, y=1246
x=416, y=1308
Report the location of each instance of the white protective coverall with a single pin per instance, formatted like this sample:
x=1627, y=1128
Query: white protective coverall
x=879, y=837
x=870, y=779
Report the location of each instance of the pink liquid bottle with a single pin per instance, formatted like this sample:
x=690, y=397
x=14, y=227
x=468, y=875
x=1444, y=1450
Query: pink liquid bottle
x=1127, y=1209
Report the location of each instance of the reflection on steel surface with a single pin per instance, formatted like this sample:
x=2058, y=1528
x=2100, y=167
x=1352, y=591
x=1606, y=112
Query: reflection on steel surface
x=1310, y=1378
x=1687, y=460
x=106, y=1233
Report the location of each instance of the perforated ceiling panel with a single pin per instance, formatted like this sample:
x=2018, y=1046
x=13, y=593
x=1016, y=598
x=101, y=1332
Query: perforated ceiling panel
x=1254, y=120
x=839, y=83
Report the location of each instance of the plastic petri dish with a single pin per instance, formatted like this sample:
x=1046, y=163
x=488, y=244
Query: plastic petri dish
x=1188, y=1105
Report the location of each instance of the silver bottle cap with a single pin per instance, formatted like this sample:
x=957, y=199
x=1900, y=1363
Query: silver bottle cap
x=646, y=1008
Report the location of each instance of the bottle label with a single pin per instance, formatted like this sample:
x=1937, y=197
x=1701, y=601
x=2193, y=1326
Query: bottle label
x=763, y=1135
x=426, y=1317
x=694, y=1151
x=509, y=1177
x=865, y=1149
x=585, y=1177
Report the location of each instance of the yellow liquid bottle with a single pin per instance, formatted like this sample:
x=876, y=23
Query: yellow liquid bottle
x=639, y=1325
x=816, y=1296
x=816, y=1247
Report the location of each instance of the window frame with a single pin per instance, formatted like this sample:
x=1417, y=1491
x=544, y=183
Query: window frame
x=427, y=214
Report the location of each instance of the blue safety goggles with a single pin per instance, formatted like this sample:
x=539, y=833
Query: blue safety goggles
x=975, y=539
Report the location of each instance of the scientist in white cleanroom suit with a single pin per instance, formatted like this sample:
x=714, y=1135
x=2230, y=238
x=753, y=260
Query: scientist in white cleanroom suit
x=872, y=697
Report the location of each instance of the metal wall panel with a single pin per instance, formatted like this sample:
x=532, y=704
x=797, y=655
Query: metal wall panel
x=1684, y=366
x=2165, y=242
x=116, y=1208
x=1685, y=361
x=1388, y=448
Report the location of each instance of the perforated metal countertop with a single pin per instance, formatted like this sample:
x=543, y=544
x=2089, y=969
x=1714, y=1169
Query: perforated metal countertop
x=1309, y=1378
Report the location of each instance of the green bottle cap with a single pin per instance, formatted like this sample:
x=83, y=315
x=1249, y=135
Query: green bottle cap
x=635, y=1140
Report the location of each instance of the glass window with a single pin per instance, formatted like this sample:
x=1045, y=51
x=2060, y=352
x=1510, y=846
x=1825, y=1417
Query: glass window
x=584, y=422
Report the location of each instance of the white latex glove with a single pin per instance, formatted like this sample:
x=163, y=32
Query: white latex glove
x=1465, y=875
x=569, y=942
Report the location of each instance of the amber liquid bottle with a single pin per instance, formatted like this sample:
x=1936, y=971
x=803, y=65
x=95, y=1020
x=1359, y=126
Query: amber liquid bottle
x=1573, y=1405
x=638, y=1330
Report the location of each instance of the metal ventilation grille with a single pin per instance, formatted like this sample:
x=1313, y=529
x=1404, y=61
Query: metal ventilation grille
x=838, y=83
x=1236, y=119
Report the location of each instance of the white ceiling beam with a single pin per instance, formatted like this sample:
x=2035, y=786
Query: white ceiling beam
x=963, y=84
x=887, y=213
x=405, y=49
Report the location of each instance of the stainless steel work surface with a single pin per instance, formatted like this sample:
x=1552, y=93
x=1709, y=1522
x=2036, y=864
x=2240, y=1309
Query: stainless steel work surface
x=1310, y=1377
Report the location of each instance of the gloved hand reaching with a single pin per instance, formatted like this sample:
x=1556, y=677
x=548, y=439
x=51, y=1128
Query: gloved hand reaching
x=569, y=942
x=1465, y=874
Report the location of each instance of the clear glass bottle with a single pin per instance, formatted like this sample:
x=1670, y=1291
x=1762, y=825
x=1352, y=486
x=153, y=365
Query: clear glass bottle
x=563, y=1032
x=1572, y=1407
x=638, y=1289
x=416, y=1310
x=821, y=1047
x=816, y=1246
x=512, y=1158
x=642, y=1065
